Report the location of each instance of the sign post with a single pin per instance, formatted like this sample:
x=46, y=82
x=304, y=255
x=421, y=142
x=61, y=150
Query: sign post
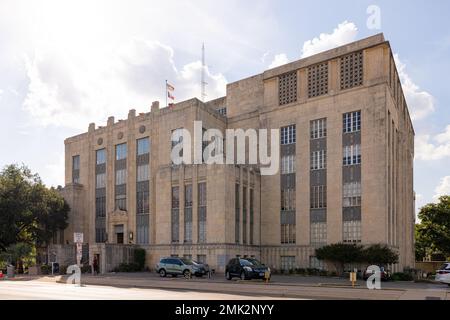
x=353, y=278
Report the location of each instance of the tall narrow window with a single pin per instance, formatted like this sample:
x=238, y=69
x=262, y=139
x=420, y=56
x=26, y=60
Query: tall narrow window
x=244, y=215
x=142, y=190
x=121, y=177
x=100, y=196
x=202, y=212
x=237, y=215
x=76, y=169
x=188, y=213
x=318, y=128
x=252, y=216
x=175, y=214
x=288, y=135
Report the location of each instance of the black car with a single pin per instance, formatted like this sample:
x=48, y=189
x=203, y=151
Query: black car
x=246, y=269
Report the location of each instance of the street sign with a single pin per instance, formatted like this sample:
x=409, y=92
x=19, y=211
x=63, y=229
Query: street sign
x=78, y=237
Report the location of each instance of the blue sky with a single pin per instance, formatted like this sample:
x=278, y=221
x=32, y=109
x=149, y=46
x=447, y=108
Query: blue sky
x=64, y=64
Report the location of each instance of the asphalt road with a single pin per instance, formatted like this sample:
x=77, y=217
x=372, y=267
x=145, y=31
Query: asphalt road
x=40, y=290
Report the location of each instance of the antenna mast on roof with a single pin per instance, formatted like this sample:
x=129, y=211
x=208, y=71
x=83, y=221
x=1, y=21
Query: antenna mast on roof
x=203, y=81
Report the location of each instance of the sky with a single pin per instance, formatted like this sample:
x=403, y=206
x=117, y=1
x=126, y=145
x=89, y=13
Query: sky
x=64, y=64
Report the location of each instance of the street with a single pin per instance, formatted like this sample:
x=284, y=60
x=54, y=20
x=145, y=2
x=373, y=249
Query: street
x=146, y=285
x=44, y=290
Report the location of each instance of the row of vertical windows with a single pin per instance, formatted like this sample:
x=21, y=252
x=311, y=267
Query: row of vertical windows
x=288, y=135
x=352, y=121
x=175, y=214
x=251, y=216
x=318, y=197
x=318, y=128
x=188, y=213
x=237, y=214
x=288, y=164
x=244, y=215
x=352, y=155
x=318, y=160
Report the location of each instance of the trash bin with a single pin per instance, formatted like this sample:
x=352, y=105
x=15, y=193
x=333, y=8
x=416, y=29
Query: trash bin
x=10, y=271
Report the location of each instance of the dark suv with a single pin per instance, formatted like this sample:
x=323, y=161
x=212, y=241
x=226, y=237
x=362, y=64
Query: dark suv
x=247, y=268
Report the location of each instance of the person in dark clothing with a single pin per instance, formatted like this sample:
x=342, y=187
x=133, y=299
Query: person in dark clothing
x=95, y=265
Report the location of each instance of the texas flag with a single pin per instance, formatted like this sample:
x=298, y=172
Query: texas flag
x=169, y=87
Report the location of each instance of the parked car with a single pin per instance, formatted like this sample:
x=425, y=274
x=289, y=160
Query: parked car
x=204, y=267
x=246, y=269
x=178, y=266
x=443, y=274
x=385, y=274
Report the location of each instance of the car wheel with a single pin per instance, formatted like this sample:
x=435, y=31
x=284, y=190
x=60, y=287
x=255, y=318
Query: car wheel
x=243, y=276
x=228, y=275
x=187, y=274
x=162, y=273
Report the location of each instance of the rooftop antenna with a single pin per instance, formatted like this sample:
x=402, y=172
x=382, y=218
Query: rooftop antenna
x=203, y=82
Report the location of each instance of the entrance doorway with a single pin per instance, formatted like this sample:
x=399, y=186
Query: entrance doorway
x=118, y=230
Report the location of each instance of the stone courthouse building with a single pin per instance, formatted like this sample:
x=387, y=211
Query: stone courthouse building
x=346, y=168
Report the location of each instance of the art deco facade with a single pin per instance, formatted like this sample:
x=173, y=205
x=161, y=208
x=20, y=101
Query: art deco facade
x=346, y=168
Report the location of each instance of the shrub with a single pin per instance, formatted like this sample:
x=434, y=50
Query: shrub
x=402, y=276
x=127, y=267
x=139, y=258
x=291, y=271
x=62, y=269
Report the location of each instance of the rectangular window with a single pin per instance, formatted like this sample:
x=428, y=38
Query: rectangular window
x=288, y=164
x=100, y=180
x=287, y=88
x=100, y=207
x=202, y=212
x=237, y=218
x=318, y=80
x=121, y=177
x=121, y=202
x=287, y=199
x=352, y=194
x=352, y=231
x=100, y=156
x=318, y=160
x=318, y=233
x=318, y=128
x=352, y=121
x=142, y=202
x=100, y=235
x=121, y=151
x=142, y=228
x=251, y=216
x=244, y=215
x=143, y=173
x=222, y=111
x=143, y=146
x=188, y=213
x=318, y=197
x=351, y=70
x=175, y=214
x=288, y=135
x=288, y=233
x=76, y=169
x=352, y=155
x=287, y=263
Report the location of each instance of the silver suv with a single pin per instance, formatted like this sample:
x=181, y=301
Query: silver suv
x=178, y=266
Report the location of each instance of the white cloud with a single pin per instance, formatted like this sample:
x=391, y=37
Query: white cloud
x=73, y=90
x=443, y=188
x=433, y=148
x=279, y=60
x=53, y=173
x=344, y=33
x=420, y=102
x=1, y=93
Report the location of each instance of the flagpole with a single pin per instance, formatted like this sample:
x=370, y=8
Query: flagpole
x=166, y=94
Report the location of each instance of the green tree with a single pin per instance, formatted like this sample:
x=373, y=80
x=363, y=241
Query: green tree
x=15, y=254
x=379, y=255
x=29, y=212
x=339, y=254
x=433, y=232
